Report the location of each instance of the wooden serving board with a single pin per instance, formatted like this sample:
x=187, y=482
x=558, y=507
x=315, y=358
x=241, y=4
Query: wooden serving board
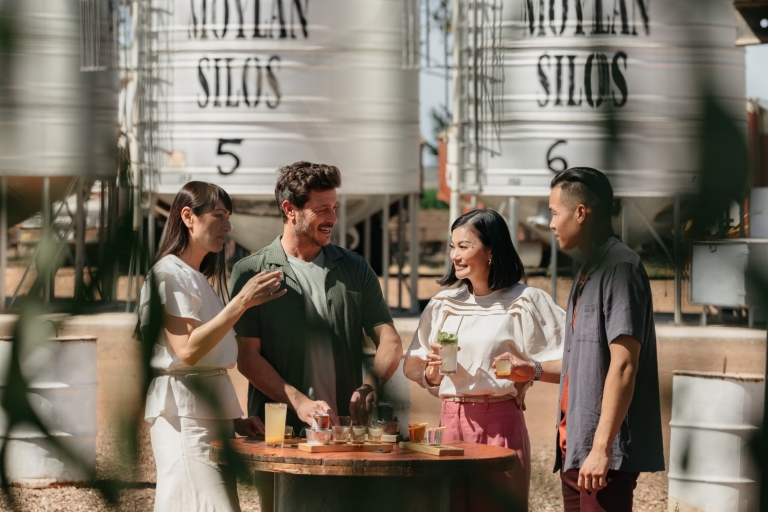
x=391, y=438
x=287, y=442
x=328, y=448
x=440, y=450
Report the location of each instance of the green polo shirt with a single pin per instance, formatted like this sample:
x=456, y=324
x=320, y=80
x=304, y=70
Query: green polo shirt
x=355, y=304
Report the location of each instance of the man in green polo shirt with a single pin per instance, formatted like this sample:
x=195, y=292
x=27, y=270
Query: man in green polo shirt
x=306, y=349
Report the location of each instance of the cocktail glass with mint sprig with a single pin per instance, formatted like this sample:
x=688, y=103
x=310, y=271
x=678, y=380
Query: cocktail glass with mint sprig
x=449, y=348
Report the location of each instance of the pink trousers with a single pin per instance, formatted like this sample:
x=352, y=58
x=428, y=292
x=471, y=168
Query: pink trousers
x=494, y=424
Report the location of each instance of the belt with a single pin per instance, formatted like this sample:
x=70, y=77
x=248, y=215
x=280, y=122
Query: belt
x=478, y=399
x=192, y=373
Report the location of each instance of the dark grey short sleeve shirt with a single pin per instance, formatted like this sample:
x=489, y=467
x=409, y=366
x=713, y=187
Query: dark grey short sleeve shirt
x=614, y=300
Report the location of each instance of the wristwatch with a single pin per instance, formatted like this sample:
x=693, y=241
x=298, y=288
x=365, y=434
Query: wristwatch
x=537, y=371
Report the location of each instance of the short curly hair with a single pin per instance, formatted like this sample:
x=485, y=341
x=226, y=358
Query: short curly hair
x=296, y=181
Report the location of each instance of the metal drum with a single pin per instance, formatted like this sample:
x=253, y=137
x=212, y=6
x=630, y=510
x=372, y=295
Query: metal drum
x=568, y=65
x=61, y=374
x=714, y=418
x=318, y=81
x=55, y=120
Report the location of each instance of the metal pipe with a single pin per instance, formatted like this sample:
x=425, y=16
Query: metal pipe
x=343, y=221
x=3, y=237
x=103, y=237
x=400, y=250
x=553, y=262
x=367, y=239
x=513, y=221
x=112, y=215
x=79, y=240
x=151, y=226
x=625, y=221
x=414, y=251
x=678, y=263
x=45, y=239
x=385, y=247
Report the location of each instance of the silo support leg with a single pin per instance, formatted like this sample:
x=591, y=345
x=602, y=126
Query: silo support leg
x=385, y=247
x=3, y=237
x=513, y=221
x=79, y=240
x=678, y=263
x=413, y=255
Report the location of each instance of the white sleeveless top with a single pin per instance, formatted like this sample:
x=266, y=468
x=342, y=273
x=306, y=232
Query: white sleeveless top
x=521, y=320
x=186, y=293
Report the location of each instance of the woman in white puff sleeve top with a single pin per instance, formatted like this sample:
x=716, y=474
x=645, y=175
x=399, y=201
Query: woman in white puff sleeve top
x=492, y=314
x=191, y=401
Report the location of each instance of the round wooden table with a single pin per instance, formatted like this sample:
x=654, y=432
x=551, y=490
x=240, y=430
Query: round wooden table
x=344, y=481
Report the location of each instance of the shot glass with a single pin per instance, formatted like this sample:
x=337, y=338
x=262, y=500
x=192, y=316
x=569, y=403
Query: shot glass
x=340, y=434
x=374, y=434
x=358, y=434
x=503, y=367
x=274, y=432
x=288, y=432
x=321, y=422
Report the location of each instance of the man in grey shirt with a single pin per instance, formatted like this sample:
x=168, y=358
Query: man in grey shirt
x=609, y=421
x=319, y=367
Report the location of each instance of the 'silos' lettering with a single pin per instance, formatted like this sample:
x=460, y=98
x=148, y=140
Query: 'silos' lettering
x=584, y=79
x=238, y=82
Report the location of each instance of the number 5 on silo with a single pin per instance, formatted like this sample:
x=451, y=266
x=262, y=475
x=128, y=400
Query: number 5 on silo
x=221, y=151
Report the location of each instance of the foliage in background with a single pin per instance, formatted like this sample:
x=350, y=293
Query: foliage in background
x=429, y=200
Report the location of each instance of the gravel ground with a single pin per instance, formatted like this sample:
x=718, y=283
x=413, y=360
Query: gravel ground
x=650, y=496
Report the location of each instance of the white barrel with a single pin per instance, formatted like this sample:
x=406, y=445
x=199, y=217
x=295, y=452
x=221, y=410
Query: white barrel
x=260, y=84
x=61, y=373
x=711, y=466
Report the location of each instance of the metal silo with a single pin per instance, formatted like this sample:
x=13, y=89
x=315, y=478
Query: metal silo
x=616, y=85
x=568, y=65
x=57, y=122
x=259, y=84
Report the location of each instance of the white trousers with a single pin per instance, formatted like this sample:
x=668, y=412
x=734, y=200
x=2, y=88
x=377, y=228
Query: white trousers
x=187, y=480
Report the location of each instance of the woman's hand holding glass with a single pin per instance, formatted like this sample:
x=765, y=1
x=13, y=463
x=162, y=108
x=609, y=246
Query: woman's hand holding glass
x=261, y=288
x=434, y=361
x=520, y=371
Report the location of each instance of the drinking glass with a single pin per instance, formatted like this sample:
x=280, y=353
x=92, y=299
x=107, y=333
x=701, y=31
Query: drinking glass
x=358, y=434
x=374, y=433
x=340, y=434
x=503, y=367
x=274, y=415
x=449, y=348
x=288, y=432
x=321, y=421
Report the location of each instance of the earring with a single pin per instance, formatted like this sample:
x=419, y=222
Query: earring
x=489, y=261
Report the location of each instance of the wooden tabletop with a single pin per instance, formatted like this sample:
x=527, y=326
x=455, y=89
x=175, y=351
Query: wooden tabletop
x=405, y=463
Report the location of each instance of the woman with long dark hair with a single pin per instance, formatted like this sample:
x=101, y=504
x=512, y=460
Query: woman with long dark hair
x=191, y=400
x=489, y=313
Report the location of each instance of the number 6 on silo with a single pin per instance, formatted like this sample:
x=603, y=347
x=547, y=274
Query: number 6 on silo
x=221, y=151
